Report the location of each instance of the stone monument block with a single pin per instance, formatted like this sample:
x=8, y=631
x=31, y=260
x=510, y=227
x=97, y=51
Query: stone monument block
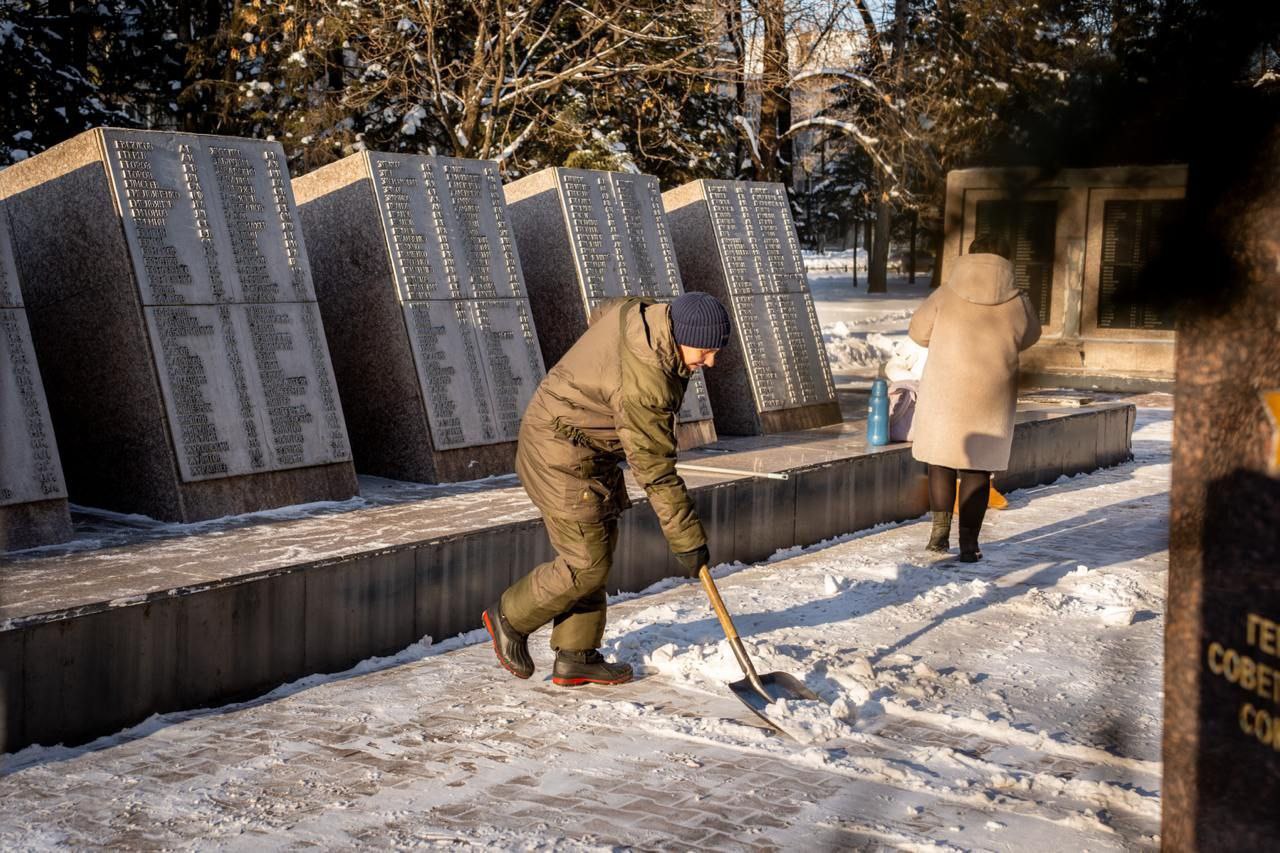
x=33, y=494
x=586, y=237
x=173, y=315
x=1221, y=750
x=736, y=241
x=425, y=310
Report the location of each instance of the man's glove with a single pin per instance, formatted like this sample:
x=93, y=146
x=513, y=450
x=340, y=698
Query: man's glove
x=694, y=560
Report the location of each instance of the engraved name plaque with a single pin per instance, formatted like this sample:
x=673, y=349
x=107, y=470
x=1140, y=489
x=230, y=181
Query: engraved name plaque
x=421, y=288
x=229, y=304
x=172, y=311
x=736, y=240
x=458, y=278
x=608, y=231
x=29, y=466
x=1131, y=232
x=33, y=494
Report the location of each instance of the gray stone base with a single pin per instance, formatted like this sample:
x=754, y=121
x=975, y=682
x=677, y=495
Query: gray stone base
x=28, y=525
x=695, y=434
x=92, y=642
x=207, y=499
x=804, y=417
x=1126, y=384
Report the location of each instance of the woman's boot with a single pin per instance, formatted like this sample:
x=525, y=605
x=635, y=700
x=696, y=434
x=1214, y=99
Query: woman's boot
x=969, y=551
x=940, y=537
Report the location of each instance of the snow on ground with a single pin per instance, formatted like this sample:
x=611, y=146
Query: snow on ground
x=842, y=259
x=1005, y=705
x=861, y=330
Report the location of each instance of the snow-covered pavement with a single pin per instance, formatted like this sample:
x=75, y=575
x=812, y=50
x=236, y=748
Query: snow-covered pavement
x=1006, y=705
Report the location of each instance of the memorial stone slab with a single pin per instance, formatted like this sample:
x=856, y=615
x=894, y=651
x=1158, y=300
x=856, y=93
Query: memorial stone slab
x=585, y=237
x=736, y=241
x=424, y=304
x=1221, y=754
x=33, y=494
x=173, y=313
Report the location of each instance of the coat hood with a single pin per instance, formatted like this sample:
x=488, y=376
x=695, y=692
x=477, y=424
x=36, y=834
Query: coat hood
x=982, y=279
x=651, y=339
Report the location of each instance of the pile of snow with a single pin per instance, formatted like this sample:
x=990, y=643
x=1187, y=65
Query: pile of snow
x=851, y=351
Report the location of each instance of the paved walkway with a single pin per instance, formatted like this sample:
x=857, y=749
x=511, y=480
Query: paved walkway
x=444, y=749
x=480, y=763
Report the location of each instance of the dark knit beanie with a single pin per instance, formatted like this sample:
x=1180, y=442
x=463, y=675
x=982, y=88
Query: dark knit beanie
x=699, y=320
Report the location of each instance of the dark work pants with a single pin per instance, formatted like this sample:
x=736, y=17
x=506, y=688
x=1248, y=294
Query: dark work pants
x=569, y=589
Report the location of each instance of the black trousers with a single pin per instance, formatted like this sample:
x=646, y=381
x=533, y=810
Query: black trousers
x=973, y=493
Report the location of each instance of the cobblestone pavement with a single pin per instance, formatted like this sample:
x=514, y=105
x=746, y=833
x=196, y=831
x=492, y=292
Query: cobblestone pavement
x=442, y=748
x=481, y=762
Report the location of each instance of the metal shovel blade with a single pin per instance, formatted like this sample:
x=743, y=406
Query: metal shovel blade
x=756, y=691
x=778, y=685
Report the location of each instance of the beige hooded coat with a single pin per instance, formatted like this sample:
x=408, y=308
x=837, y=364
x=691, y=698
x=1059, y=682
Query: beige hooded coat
x=974, y=326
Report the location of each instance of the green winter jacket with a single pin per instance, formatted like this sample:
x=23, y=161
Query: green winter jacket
x=613, y=396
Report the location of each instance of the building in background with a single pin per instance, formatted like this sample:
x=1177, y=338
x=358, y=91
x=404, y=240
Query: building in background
x=1086, y=246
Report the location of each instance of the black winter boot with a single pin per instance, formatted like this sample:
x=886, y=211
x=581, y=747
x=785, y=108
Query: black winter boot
x=969, y=551
x=940, y=536
x=511, y=647
x=574, y=669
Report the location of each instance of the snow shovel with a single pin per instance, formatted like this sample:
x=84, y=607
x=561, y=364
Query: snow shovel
x=756, y=691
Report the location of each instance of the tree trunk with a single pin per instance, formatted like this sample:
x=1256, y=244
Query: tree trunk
x=911, y=254
x=773, y=97
x=743, y=164
x=60, y=49
x=878, y=269
x=857, y=226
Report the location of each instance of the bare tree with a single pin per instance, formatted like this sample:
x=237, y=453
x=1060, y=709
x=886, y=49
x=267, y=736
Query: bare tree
x=487, y=78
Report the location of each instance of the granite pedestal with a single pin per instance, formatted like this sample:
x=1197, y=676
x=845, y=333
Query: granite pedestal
x=425, y=310
x=173, y=315
x=585, y=237
x=736, y=241
x=33, y=495
x=130, y=619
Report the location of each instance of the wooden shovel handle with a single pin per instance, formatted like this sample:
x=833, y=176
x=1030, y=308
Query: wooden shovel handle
x=726, y=622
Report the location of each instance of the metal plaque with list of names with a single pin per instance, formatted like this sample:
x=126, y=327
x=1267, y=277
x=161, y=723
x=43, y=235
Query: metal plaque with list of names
x=228, y=300
x=29, y=466
x=621, y=247
x=459, y=282
x=1131, y=232
x=772, y=305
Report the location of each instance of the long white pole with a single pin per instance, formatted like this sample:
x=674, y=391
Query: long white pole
x=710, y=469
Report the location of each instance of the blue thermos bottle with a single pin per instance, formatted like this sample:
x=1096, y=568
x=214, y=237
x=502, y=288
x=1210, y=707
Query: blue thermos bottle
x=878, y=413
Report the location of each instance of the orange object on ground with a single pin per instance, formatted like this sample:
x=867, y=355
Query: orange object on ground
x=995, y=500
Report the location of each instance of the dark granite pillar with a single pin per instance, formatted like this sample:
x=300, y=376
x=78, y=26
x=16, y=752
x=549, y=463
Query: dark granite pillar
x=1222, y=647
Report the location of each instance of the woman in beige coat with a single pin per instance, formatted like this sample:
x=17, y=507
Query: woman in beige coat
x=974, y=326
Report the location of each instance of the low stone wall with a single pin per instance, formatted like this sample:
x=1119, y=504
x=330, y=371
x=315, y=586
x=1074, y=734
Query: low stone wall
x=107, y=661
